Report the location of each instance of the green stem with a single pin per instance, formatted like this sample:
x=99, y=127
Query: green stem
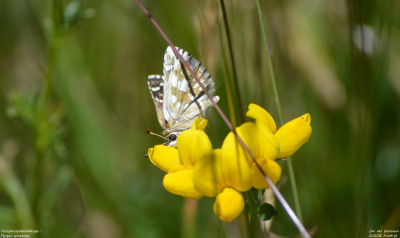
x=252, y=223
x=270, y=66
x=278, y=106
x=38, y=183
x=294, y=188
x=228, y=86
x=246, y=216
x=221, y=233
x=44, y=101
x=48, y=84
x=53, y=45
x=235, y=77
x=13, y=187
x=42, y=118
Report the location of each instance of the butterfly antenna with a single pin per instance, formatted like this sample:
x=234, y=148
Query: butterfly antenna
x=154, y=134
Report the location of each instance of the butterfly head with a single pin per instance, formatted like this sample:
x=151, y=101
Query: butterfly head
x=171, y=139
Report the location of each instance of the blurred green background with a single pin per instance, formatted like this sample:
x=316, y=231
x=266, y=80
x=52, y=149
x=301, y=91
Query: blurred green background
x=75, y=107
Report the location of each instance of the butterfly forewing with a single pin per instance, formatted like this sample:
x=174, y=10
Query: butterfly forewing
x=178, y=98
x=186, y=100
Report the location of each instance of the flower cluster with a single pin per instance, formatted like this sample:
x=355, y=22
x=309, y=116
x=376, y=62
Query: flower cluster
x=194, y=169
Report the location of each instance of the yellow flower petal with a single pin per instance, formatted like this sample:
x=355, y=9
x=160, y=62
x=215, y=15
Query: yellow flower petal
x=271, y=168
x=262, y=144
x=293, y=135
x=164, y=157
x=221, y=169
x=180, y=168
x=235, y=171
x=181, y=183
x=232, y=144
x=228, y=204
x=261, y=116
x=207, y=175
x=199, y=124
x=192, y=145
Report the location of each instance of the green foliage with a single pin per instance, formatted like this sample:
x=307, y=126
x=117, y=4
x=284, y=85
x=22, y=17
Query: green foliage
x=266, y=211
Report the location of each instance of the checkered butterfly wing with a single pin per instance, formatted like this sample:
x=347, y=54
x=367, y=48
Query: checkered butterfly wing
x=156, y=87
x=177, y=96
x=184, y=100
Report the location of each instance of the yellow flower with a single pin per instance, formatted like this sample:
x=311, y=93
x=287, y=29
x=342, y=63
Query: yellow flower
x=164, y=157
x=194, y=169
x=223, y=174
x=266, y=144
x=264, y=147
x=179, y=162
x=228, y=204
x=291, y=136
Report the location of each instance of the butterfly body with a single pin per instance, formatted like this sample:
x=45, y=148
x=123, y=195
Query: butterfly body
x=178, y=98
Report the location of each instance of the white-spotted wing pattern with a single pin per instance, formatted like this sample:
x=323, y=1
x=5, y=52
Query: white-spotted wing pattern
x=177, y=96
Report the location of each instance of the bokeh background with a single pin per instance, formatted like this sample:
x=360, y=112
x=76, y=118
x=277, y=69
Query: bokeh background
x=74, y=109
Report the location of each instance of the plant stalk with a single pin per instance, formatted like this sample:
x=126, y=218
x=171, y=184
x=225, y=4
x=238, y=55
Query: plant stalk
x=278, y=106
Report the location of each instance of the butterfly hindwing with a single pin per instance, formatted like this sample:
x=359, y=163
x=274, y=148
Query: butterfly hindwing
x=156, y=87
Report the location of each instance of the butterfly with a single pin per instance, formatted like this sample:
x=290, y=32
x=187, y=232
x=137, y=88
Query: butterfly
x=178, y=98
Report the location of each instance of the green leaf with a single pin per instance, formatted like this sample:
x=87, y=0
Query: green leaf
x=71, y=10
x=266, y=211
x=73, y=14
